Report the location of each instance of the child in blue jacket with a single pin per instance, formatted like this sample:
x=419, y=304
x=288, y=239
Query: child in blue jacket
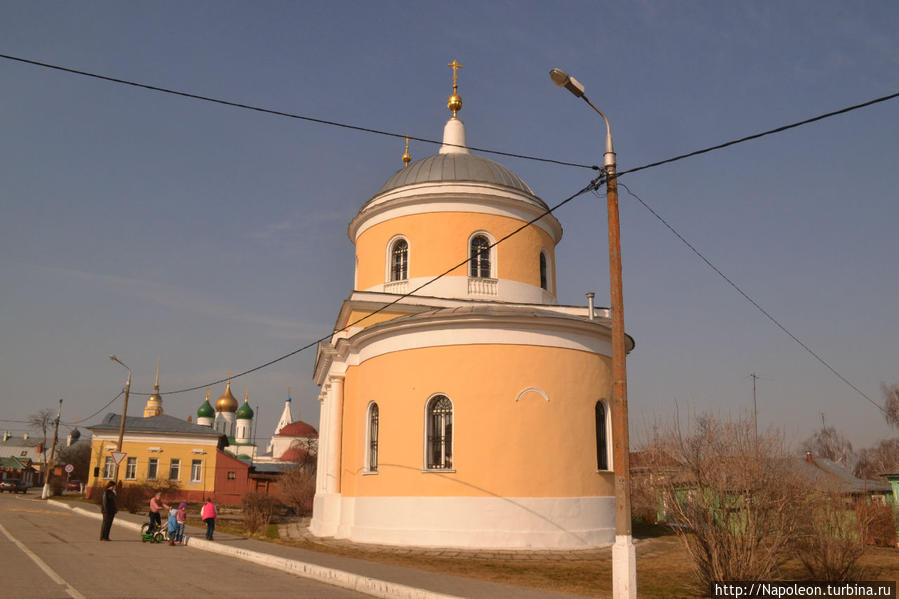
x=173, y=526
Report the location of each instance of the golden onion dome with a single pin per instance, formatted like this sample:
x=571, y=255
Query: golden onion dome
x=226, y=403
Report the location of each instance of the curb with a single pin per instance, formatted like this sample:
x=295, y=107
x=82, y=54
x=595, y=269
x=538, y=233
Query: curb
x=339, y=578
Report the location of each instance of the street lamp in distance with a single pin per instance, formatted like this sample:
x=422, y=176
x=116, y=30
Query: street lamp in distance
x=624, y=557
x=124, y=411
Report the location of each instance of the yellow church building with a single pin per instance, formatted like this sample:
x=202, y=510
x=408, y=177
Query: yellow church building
x=475, y=412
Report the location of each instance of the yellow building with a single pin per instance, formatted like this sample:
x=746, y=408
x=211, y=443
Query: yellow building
x=474, y=413
x=158, y=450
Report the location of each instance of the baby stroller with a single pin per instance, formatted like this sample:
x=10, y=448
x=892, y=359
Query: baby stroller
x=153, y=534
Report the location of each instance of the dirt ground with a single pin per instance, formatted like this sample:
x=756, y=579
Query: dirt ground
x=663, y=568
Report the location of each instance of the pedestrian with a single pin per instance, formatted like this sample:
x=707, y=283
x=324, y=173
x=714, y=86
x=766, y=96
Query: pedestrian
x=181, y=518
x=208, y=516
x=156, y=504
x=172, y=526
x=108, y=507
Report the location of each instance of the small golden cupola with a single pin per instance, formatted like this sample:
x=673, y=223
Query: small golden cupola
x=226, y=403
x=154, y=401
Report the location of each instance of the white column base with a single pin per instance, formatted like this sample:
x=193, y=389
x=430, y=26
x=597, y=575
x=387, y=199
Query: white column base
x=325, y=514
x=624, y=568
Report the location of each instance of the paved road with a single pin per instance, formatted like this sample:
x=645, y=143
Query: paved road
x=48, y=552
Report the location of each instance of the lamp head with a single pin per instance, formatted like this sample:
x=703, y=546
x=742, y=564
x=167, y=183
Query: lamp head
x=563, y=79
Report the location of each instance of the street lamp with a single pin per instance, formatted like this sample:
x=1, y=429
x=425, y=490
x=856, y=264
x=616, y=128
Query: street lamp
x=624, y=557
x=124, y=411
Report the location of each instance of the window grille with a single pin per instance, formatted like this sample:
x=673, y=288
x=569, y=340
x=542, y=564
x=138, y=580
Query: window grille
x=399, y=261
x=602, y=452
x=543, y=282
x=480, y=257
x=373, y=415
x=440, y=433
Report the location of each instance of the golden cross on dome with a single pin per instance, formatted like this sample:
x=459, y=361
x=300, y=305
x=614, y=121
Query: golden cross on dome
x=455, y=65
x=407, y=158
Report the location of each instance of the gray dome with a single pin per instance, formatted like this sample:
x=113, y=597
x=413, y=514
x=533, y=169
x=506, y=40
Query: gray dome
x=455, y=167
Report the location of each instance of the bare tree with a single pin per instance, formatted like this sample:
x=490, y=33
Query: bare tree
x=891, y=405
x=731, y=496
x=880, y=459
x=827, y=442
x=297, y=485
x=79, y=456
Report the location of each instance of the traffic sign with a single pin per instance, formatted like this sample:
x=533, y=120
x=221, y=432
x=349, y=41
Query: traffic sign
x=117, y=456
x=69, y=468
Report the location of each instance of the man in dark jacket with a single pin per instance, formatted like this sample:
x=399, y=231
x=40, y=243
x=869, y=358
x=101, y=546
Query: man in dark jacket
x=108, y=508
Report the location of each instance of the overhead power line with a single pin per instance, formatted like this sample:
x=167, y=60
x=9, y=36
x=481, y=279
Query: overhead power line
x=286, y=114
x=780, y=129
x=282, y=113
x=749, y=298
x=590, y=186
x=109, y=403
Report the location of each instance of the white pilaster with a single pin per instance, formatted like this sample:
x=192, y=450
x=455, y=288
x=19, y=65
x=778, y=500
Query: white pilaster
x=334, y=440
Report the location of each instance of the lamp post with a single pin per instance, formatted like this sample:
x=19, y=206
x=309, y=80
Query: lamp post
x=624, y=559
x=124, y=412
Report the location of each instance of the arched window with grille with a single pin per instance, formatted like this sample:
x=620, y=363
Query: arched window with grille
x=544, y=283
x=602, y=437
x=440, y=433
x=480, y=257
x=371, y=457
x=399, y=260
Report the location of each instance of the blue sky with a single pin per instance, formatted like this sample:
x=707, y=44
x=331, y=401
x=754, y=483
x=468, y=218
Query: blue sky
x=214, y=238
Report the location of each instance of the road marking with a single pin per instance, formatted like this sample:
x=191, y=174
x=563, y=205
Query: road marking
x=51, y=512
x=43, y=565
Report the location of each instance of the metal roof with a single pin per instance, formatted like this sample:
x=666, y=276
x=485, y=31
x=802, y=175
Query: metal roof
x=153, y=424
x=455, y=167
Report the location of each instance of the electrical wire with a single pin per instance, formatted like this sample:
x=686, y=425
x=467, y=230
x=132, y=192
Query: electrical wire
x=780, y=129
x=288, y=114
x=590, y=186
x=749, y=298
x=109, y=403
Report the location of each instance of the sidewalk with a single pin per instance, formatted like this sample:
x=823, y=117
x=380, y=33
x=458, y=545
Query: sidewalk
x=378, y=580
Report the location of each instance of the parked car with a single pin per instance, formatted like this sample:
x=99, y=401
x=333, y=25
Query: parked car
x=13, y=485
x=73, y=485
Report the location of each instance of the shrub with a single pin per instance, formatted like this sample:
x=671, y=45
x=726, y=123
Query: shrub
x=831, y=538
x=729, y=495
x=297, y=488
x=57, y=485
x=257, y=511
x=882, y=524
x=133, y=498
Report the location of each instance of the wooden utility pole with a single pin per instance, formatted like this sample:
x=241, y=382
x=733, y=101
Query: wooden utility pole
x=46, y=491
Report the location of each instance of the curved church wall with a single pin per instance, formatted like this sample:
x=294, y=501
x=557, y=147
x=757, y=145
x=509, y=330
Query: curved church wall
x=504, y=445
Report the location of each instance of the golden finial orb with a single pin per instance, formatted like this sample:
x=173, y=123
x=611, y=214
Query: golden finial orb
x=454, y=103
x=407, y=158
